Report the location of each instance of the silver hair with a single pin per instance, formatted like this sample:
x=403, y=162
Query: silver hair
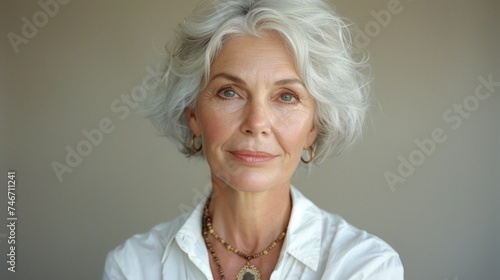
x=331, y=67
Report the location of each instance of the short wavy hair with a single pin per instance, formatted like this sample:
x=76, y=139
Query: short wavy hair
x=331, y=67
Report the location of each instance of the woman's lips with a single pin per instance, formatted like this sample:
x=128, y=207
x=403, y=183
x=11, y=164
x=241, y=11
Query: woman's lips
x=252, y=157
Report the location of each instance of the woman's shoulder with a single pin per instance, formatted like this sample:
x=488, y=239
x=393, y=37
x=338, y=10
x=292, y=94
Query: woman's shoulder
x=347, y=239
x=156, y=238
x=345, y=250
x=335, y=231
x=351, y=251
x=143, y=249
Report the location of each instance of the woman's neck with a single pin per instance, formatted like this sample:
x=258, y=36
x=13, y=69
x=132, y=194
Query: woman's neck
x=250, y=221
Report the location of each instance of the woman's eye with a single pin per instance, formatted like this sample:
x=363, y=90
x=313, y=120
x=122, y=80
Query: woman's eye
x=228, y=93
x=287, y=97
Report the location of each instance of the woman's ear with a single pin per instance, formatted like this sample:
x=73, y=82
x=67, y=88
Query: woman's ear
x=193, y=121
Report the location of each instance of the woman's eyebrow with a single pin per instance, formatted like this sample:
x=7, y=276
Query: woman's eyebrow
x=290, y=81
x=229, y=77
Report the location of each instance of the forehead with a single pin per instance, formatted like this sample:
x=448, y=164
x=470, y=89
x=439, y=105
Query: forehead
x=245, y=53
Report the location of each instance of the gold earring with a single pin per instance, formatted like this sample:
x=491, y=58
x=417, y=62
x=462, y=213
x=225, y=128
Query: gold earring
x=311, y=156
x=193, y=144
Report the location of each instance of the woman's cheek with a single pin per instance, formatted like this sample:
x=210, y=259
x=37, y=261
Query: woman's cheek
x=292, y=118
x=217, y=123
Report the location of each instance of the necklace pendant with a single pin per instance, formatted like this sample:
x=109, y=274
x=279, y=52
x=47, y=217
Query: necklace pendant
x=248, y=272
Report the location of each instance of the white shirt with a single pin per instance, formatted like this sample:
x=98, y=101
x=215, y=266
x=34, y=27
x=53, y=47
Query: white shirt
x=318, y=245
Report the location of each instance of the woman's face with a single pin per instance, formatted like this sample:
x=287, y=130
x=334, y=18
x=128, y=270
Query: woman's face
x=255, y=116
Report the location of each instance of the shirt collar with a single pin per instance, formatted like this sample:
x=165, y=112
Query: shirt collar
x=303, y=241
x=189, y=237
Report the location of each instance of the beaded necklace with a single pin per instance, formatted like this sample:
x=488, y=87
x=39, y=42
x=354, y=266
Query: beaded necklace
x=248, y=271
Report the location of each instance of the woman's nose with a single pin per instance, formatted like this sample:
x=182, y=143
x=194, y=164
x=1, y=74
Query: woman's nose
x=257, y=119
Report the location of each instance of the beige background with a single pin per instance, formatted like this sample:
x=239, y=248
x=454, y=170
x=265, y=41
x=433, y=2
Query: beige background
x=444, y=219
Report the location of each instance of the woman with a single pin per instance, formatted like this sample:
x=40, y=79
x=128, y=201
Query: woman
x=256, y=87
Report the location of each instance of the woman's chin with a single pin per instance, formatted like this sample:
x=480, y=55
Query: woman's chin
x=251, y=182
